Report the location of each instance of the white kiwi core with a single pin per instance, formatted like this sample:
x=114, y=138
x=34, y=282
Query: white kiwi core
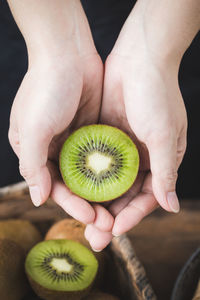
x=98, y=162
x=61, y=265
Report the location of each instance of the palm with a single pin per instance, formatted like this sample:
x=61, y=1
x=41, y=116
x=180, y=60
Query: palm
x=88, y=105
x=61, y=99
x=87, y=113
x=139, y=200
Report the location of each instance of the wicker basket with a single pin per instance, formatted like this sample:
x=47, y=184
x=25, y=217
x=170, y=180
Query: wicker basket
x=124, y=276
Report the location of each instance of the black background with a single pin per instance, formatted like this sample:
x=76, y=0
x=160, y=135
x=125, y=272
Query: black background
x=106, y=18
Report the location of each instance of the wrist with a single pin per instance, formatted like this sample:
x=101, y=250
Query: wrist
x=151, y=33
x=60, y=32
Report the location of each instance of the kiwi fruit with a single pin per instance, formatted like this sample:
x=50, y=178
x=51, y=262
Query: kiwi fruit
x=21, y=232
x=13, y=282
x=74, y=230
x=61, y=269
x=96, y=295
x=69, y=229
x=99, y=162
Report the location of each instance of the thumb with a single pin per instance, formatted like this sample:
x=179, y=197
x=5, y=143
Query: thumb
x=163, y=161
x=33, y=157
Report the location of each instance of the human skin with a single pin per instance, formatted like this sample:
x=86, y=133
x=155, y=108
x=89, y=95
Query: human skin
x=141, y=96
x=60, y=92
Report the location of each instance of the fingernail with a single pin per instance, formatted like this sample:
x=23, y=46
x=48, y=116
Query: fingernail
x=95, y=250
x=35, y=195
x=173, y=202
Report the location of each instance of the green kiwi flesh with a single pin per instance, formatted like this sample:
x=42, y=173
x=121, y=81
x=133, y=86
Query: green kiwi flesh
x=99, y=162
x=61, y=269
x=13, y=282
x=71, y=229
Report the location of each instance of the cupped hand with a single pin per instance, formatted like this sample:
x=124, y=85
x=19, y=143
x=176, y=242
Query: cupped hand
x=142, y=98
x=55, y=97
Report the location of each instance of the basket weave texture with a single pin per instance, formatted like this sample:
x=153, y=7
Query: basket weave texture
x=125, y=275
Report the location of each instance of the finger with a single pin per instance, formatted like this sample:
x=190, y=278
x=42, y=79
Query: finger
x=104, y=220
x=34, y=144
x=163, y=161
x=76, y=207
x=97, y=239
x=181, y=147
x=13, y=137
x=131, y=215
x=13, y=134
x=143, y=204
x=117, y=205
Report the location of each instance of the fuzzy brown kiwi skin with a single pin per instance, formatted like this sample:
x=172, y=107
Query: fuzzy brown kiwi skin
x=22, y=232
x=71, y=229
x=48, y=294
x=13, y=282
x=102, y=201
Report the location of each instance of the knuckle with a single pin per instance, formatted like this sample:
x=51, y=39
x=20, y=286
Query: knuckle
x=170, y=177
x=158, y=138
x=40, y=132
x=182, y=146
x=180, y=154
x=10, y=137
x=26, y=172
x=181, y=150
x=13, y=137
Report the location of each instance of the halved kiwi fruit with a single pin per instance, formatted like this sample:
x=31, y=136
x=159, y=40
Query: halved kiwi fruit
x=61, y=269
x=74, y=230
x=99, y=162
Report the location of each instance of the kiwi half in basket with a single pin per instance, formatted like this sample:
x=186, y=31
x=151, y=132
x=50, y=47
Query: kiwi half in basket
x=61, y=269
x=99, y=162
x=71, y=229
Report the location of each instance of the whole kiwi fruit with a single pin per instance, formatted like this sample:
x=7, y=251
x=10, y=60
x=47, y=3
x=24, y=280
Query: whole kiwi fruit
x=13, y=282
x=61, y=269
x=97, y=295
x=99, y=162
x=69, y=229
x=22, y=232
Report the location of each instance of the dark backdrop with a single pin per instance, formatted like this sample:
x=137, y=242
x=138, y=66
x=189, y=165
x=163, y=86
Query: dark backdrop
x=106, y=18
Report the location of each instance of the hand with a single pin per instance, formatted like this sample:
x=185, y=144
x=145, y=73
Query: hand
x=61, y=91
x=141, y=96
